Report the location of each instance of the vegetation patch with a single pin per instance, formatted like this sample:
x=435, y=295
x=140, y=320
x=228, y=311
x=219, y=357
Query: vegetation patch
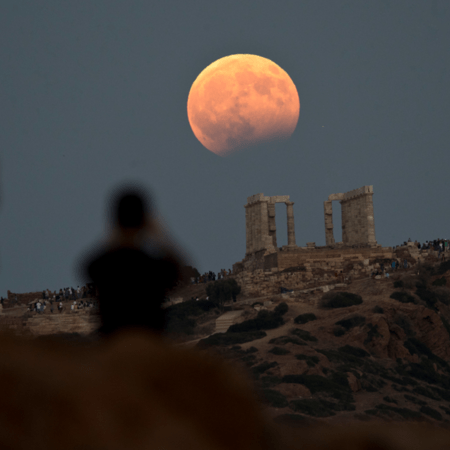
x=317, y=383
x=351, y=322
x=415, y=346
x=265, y=320
x=415, y=400
x=339, y=331
x=249, y=360
x=404, y=322
x=372, y=333
x=406, y=413
x=339, y=300
x=340, y=378
x=273, y=398
x=180, y=317
x=443, y=267
x=337, y=356
x=354, y=351
x=305, y=318
x=429, y=297
x=281, y=309
x=263, y=367
x=279, y=351
x=440, y=282
x=312, y=407
x=424, y=371
x=303, y=334
x=421, y=390
x=403, y=297
x=442, y=393
x=269, y=381
x=310, y=360
x=403, y=381
x=222, y=339
x=221, y=291
x=446, y=410
x=431, y=412
x=443, y=294
x=378, y=310
x=446, y=324
x=282, y=340
x=400, y=388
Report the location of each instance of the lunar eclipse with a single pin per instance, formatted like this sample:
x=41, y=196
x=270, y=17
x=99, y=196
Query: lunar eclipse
x=242, y=100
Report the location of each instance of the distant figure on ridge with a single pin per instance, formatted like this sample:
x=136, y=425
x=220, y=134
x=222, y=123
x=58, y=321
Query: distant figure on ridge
x=135, y=269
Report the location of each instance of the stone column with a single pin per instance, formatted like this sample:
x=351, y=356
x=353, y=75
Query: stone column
x=328, y=211
x=253, y=232
x=248, y=239
x=370, y=220
x=290, y=223
x=272, y=224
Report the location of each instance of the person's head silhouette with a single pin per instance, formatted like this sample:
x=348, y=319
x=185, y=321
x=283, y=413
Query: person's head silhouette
x=131, y=210
x=131, y=216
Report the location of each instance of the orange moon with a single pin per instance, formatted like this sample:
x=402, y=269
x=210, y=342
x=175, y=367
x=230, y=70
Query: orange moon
x=242, y=100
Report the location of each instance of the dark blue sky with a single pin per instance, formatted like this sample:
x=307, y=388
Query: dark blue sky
x=93, y=94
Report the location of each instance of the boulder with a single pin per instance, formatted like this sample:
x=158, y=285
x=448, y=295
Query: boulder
x=130, y=391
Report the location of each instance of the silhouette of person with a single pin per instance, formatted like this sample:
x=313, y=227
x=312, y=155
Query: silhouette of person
x=135, y=270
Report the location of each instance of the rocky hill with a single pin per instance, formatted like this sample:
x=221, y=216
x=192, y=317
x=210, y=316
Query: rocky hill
x=377, y=349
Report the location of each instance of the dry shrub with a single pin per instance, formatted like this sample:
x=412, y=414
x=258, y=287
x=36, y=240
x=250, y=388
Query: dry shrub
x=409, y=281
x=442, y=294
x=338, y=299
x=405, y=323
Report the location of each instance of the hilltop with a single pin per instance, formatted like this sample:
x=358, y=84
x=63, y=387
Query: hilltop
x=382, y=359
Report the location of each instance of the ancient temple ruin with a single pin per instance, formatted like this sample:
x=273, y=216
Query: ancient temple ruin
x=357, y=217
x=358, y=235
x=260, y=226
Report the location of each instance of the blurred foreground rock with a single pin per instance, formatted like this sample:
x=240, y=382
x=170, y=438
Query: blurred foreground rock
x=133, y=391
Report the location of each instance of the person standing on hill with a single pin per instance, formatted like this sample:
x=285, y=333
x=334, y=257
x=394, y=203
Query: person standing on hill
x=136, y=256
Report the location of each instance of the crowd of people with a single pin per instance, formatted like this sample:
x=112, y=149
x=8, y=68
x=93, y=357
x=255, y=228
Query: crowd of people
x=39, y=307
x=211, y=276
x=65, y=294
x=439, y=245
x=69, y=293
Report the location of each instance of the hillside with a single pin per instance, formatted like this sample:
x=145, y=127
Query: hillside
x=382, y=359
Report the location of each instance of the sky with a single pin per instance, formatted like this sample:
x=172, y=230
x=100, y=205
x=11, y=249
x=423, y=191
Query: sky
x=94, y=94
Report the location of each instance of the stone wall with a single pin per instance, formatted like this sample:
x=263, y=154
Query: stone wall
x=304, y=269
x=23, y=299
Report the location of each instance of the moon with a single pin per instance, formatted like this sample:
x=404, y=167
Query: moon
x=242, y=100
